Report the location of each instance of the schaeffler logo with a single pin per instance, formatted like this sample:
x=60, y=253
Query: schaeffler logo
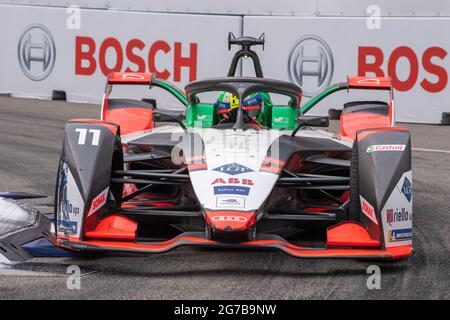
x=37, y=52
x=310, y=64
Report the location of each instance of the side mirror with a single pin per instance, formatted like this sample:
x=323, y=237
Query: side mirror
x=169, y=116
x=311, y=121
x=150, y=101
x=334, y=114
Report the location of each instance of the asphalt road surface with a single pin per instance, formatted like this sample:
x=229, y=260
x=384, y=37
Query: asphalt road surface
x=31, y=134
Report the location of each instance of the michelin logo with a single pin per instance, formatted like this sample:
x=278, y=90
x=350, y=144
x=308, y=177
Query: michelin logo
x=400, y=235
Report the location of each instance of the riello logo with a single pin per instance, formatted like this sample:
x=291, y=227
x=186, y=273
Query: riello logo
x=163, y=59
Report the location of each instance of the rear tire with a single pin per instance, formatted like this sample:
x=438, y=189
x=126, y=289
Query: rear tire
x=116, y=189
x=354, y=210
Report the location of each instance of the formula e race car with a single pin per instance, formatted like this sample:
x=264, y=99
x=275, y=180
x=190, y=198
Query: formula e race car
x=241, y=171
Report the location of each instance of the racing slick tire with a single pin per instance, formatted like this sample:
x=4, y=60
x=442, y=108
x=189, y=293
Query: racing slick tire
x=354, y=209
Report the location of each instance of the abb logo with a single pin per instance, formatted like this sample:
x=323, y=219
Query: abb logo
x=229, y=218
x=140, y=56
x=371, y=59
x=245, y=182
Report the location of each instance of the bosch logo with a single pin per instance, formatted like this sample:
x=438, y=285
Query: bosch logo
x=37, y=52
x=310, y=64
x=229, y=219
x=161, y=58
x=421, y=66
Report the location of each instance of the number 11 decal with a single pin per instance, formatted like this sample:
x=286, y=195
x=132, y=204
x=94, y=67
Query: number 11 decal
x=83, y=134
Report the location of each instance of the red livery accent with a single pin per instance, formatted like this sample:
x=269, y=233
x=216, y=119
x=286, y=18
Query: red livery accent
x=369, y=82
x=272, y=161
x=350, y=234
x=131, y=119
x=230, y=220
x=98, y=201
x=195, y=158
x=270, y=169
x=195, y=167
x=186, y=239
x=130, y=78
x=130, y=115
x=352, y=122
x=365, y=133
x=245, y=182
x=114, y=227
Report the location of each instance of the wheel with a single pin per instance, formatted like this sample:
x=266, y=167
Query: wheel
x=354, y=210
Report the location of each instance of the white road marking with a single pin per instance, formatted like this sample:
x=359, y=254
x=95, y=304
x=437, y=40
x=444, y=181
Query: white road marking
x=26, y=273
x=431, y=150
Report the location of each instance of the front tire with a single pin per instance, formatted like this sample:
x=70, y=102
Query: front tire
x=354, y=210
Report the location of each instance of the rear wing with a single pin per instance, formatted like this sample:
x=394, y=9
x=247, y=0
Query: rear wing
x=355, y=82
x=138, y=78
x=369, y=83
x=123, y=78
x=130, y=78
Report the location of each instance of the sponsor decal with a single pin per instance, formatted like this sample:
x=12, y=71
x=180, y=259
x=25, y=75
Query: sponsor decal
x=233, y=169
x=396, y=216
x=373, y=59
x=98, y=201
x=310, y=64
x=400, y=235
x=66, y=209
x=407, y=189
x=91, y=55
x=369, y=81
x=368, y=209
x=385, y=147
x=246, y=182
x=229, y=219
x=227, y=202
x=244, y=191
x=280, y=119
x=68, y=227
x=37, y=52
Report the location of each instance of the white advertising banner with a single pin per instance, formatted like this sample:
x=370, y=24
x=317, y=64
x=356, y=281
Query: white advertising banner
x=317, y=52
x=45, y=49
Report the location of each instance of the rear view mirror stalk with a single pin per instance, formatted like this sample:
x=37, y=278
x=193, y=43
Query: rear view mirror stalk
x=169, y=116
x=311, y=121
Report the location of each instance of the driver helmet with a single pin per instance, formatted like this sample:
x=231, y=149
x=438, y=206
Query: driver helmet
x=227, y=103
